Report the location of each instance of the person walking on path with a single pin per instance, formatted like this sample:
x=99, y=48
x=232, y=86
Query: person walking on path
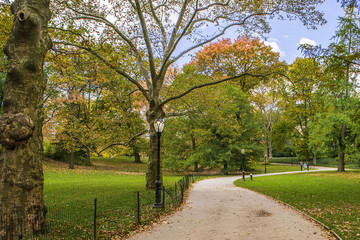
x=217, y=210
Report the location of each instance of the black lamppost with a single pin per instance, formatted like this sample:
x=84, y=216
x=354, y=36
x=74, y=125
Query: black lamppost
x=159, y=128
x=266, y=159
x=243, y=165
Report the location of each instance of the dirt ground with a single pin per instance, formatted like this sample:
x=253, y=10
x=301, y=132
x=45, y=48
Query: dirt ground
x=217, y=210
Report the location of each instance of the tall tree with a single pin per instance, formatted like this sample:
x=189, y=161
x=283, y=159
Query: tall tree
x=298, y=99
x=265, y=98
x=88, y=108
x=216, y=117
x=341, y=60
x=345, y=70
x=213, y=134
x=159, y=33
x=21, y=175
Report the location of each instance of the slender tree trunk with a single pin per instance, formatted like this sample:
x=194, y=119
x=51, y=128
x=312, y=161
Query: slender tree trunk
x=341, y=166
x=265, y=148
x=226, y=168
x=196, y=164
x=88, y=157
x=71, y=160
x=21, y=174
x=314, y=160
x=270, y=148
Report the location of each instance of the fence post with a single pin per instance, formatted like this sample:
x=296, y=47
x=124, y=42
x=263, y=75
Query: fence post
x=163, y=197
x=138, y=207
x=182, y=193
x=95, y=206
x=175, y=193
x=11, y=227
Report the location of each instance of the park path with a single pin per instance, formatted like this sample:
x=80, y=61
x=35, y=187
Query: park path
x=217, y=210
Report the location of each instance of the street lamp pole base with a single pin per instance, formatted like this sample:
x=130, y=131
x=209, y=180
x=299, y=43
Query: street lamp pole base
x=158, y=205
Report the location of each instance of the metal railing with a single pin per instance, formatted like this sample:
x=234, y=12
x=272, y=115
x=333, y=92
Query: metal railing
x=92, y=220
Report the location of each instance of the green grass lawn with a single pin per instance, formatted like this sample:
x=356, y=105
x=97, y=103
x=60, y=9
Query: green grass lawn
x=331, y=197
x=70, y=194
x=122, y=163
x=325, y=162
x=273, y=168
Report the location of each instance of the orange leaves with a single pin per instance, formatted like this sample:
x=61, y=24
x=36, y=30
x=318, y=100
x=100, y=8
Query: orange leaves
x=226, y=58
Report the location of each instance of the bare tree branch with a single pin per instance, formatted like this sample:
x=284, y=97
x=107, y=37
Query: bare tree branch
x=103, y=20
x=213, y=38
x=122, y=73
x=123, y=144
x=214, y=83
x=147, y=39
x=161, y=26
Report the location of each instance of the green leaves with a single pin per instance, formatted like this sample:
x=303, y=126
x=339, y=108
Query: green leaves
x=5, y=26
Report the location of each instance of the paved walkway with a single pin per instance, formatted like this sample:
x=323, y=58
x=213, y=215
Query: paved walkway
x=217, y=210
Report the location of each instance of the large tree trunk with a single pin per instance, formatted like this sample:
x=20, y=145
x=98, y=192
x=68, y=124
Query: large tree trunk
x=136, y=155
x=151, y=169
x=152, y=114
x=21, y=174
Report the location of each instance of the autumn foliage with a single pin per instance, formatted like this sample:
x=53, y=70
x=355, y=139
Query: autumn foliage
x=225, y=58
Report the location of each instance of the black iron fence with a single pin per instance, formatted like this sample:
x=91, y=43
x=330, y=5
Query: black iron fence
x=92, y=219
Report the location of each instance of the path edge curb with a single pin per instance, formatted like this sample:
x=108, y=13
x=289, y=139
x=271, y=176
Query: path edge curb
x=302, y=213
x=313, y=219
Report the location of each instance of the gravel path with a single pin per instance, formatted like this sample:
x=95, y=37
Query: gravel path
x=216, y=209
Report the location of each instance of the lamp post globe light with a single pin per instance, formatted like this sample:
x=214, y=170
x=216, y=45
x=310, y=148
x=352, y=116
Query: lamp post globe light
x=159, y=125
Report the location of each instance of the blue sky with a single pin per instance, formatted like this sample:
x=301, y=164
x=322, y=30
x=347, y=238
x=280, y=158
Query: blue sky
x=286, y=36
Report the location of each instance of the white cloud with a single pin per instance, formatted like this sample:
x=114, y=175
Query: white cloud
x=275, y=47
x=307, y=41
x=286, y=36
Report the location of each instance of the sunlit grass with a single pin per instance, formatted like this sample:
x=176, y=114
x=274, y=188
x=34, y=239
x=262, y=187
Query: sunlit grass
x=331, y=197
x=70, y=194
x=274, y=168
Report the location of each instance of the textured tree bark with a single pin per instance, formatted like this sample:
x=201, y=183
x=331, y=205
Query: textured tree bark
x=153, y=113
x=21, y=175
x=270, y=148
x=136, y=155
x=196, y=164
x=314, y=160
